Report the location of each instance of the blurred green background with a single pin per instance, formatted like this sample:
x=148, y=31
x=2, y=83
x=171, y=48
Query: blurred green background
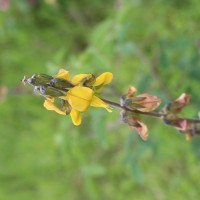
x=151, y=44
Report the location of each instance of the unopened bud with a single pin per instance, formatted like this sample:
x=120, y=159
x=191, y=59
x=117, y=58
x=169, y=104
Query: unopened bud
x=49, y=91
x=177, y=105
x=66, y=107
x=61, y=83
x=38, y=80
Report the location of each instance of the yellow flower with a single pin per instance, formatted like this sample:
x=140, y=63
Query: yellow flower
x=99, y=82
x=80, y=97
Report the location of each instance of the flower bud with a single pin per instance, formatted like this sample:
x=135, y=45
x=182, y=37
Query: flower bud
x=49, y=91
x=177, y=105
x=61, y=83
x=66, y=107
x=38, y=80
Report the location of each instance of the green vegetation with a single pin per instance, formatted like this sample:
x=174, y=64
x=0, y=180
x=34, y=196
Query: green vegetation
x=151, y=44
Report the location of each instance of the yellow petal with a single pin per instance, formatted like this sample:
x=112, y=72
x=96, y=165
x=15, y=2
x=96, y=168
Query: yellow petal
x=78, y=78
x=97, y=102
x=63, y=74
x=76, y=117
x=48, y=104
x=80, y=98
x=103, y=79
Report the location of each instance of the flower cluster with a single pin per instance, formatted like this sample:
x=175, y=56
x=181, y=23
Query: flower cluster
x=76, y=94
x=171, y=117
x=143, y=103
x=73, y=96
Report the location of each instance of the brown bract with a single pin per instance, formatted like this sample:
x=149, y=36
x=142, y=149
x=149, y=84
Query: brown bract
x=143, y=103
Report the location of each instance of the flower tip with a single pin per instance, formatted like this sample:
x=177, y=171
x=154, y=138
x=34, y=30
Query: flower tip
x=24, y=80
x=77, y=123
x=108, y=77
x=76, y=117
x=103, y=79
x=183, y=99
x=132, y=90
x=62, y=73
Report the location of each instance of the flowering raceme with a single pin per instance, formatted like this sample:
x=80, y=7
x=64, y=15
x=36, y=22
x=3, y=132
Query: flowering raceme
x=74, y=96
x=77, y=94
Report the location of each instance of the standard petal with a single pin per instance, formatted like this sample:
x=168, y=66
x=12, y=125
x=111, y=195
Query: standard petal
x=142, y=130
x=78, y=78
x=62, y=73
x=76, y=117
x=97, y=102
x=80, y=98
x=48, y=104
x=103, y=79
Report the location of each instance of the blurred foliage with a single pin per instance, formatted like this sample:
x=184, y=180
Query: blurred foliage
x=151, y=44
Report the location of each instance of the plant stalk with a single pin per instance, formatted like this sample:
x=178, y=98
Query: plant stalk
x=152, y=114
